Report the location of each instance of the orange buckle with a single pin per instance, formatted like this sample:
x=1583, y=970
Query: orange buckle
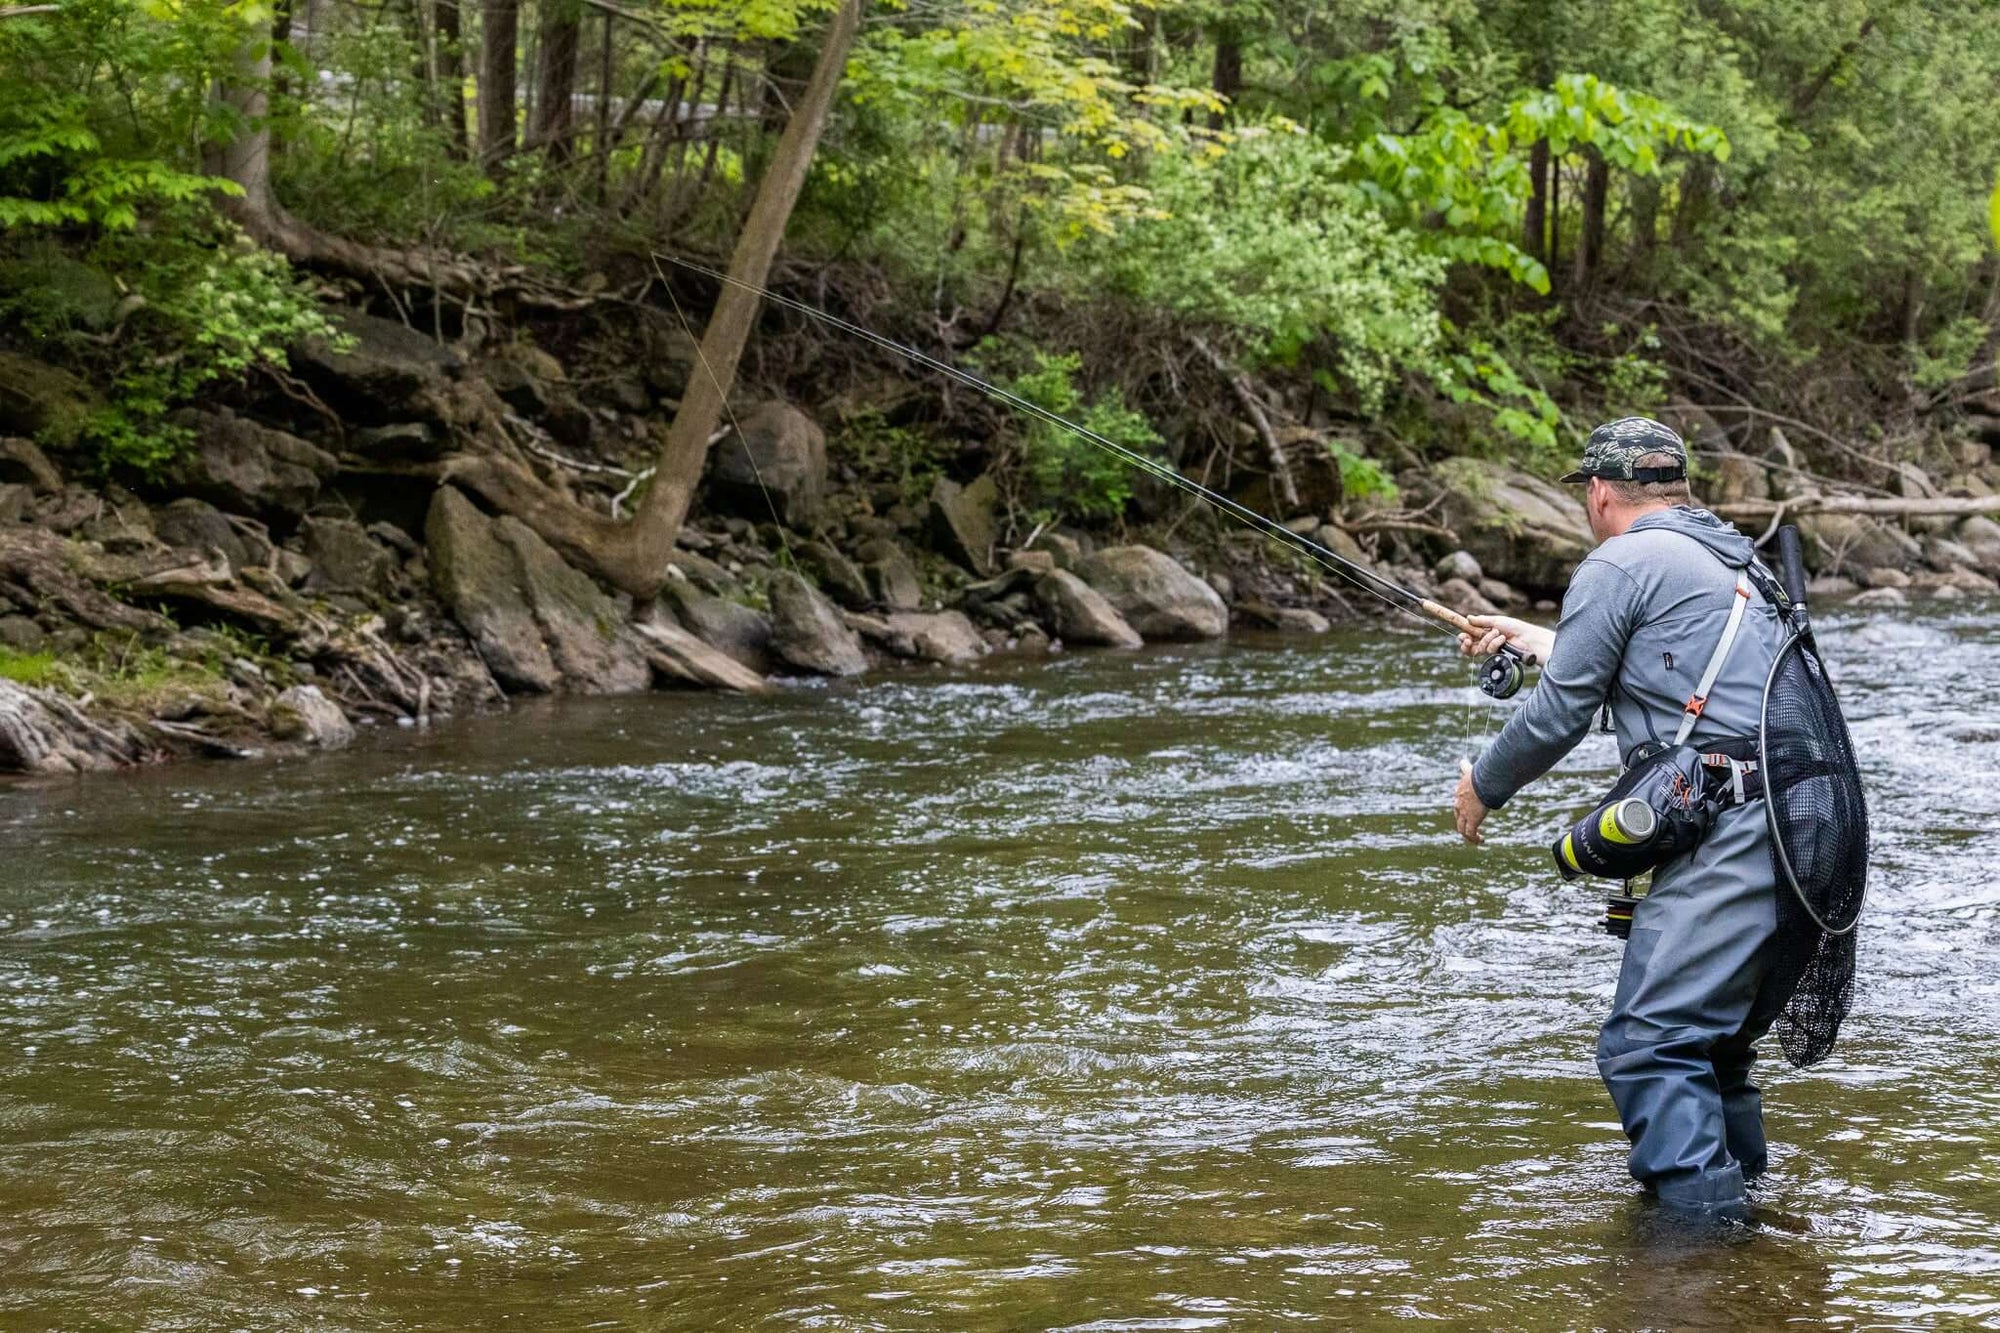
x=1695, y=703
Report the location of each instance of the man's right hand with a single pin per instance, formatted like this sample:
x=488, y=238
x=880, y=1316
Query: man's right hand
x=1491, y=633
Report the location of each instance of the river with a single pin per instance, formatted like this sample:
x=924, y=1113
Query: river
x=1132, y=991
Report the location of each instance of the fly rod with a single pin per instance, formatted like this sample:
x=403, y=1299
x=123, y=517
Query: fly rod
x=1500, y=676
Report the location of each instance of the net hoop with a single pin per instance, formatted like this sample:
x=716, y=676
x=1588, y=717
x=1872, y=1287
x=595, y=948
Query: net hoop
x=1800, y=642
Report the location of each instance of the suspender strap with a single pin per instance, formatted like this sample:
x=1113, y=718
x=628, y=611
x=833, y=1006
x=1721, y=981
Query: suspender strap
x=1699, y=699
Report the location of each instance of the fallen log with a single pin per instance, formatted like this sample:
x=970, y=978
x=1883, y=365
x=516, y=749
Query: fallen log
x=1881, y=506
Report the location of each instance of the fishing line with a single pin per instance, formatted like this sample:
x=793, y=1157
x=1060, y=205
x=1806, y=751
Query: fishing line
x=1390, y=594
x=784, y=542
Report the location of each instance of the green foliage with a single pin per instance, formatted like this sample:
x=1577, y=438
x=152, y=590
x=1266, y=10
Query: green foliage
x=34, y=669
x=1361, y=478
x=909, y=457
x=1270, y=242
x=103, y=106
x=1066, y=475
x=199, y=304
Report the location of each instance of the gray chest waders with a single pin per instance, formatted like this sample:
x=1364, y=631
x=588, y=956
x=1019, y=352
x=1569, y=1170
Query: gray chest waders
x=1802, y=765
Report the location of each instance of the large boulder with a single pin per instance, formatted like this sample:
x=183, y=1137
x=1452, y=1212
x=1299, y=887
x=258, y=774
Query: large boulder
x=196, y=525
x=305, y=715
x=387, y=372
x=838, y=575
x=585, y=630
x=737, y=630
x=52, y=405
x=1851, y=543
x=344, y=557
x=892, y=575
x=1521, y=529
x=1079, y=614
x=807, y=631
x=1157, y=597
x=1981, y=536
x=247, y=468
x=931, y=636
x=774, y=461
x=962, y=521
x=538, y=624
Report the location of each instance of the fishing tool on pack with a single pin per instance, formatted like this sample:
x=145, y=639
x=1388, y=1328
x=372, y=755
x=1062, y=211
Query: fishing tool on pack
x=1500, y=676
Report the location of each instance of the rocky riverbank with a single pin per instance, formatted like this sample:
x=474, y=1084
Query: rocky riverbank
x=306, y=566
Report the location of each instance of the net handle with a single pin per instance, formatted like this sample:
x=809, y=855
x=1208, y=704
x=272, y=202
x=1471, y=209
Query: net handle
x=1792, y=565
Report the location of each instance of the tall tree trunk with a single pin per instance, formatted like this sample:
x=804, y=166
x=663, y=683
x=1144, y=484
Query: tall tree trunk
x=499, y=35
x=1645, y=227
x=1535, y=226
x=1590, y=235
x=556, y=87
x=1227, y=79
x=1693, y=206
x=1139, y=45
x=1555, y=216
x=633, y=557
x=451, y=74
x=246, y=159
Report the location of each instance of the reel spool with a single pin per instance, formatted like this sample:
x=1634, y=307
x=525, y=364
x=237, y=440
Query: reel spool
x=1500, y=676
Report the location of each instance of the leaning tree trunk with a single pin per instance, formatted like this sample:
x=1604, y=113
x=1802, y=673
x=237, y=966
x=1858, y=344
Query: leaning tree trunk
x=633, y=556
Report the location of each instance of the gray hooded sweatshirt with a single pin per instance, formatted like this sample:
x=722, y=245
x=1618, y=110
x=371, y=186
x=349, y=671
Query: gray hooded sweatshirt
x=1642, y=616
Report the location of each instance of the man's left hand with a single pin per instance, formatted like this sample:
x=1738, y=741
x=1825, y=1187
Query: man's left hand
x=1466, y=806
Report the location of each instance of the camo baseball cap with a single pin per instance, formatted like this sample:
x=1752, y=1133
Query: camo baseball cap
x=1615, y=448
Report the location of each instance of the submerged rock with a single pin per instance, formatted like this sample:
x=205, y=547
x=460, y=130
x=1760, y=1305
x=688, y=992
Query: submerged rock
x=1155, y=595
x=807, y=631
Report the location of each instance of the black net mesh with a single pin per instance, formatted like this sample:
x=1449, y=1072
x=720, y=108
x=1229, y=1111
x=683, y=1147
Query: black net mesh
x=1819, y=834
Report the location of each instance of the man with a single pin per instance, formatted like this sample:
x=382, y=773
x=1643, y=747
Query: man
x=1643, y=614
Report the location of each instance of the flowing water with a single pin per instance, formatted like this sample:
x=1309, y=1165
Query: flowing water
x=1132, y=991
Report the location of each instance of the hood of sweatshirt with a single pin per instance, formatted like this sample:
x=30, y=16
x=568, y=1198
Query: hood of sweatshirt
x=1732, y=547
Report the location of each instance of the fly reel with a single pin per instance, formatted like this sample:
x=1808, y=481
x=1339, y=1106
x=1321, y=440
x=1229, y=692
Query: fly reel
x=1501, y=674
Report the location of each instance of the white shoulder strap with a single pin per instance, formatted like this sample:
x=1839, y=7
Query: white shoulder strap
x=1699, y=699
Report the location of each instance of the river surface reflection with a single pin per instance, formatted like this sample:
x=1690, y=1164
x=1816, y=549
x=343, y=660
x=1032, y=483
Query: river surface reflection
x=1138, y=990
